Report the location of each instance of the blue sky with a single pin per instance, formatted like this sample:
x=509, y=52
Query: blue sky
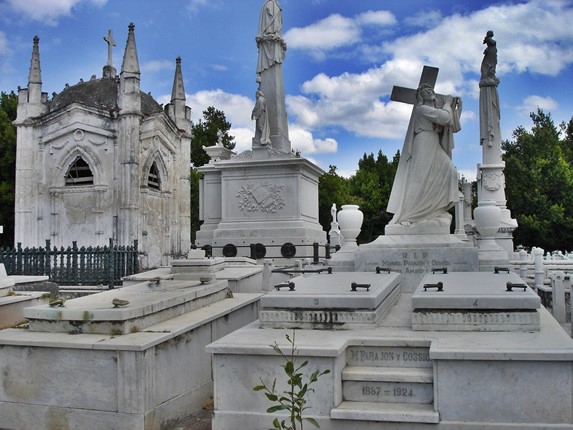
x=342, y=60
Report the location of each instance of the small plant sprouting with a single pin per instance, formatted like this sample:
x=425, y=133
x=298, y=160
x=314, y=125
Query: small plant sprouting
x=293, y=399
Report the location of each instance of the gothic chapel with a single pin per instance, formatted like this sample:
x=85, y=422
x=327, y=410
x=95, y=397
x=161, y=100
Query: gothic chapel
x=102, y=160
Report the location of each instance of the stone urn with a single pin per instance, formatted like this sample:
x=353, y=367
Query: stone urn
x=350, y=222
x=487, y=217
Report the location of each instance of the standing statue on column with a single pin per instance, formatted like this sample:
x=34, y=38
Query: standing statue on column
x=270, y=32
x=261, y=117
x=490, y=133
x=489, y=62
x=426, y=182
x=272, y=49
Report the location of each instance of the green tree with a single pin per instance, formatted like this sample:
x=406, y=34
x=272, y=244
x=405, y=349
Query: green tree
x=8, y=106
x=371, y=187
x=539, y=183
x=332, y=188
x=205, y=133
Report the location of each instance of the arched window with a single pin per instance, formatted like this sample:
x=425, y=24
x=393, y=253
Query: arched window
x=79, y=173
x=153, y=178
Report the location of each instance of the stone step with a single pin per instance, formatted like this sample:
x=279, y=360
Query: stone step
x=388, y=356
x=389, y=374
x=387, y=412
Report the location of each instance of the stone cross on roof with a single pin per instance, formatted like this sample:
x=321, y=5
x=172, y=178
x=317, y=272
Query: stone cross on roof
x=408, y=95
x=110, y=44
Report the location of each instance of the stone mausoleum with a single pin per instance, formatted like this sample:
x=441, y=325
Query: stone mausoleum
x=102, y=159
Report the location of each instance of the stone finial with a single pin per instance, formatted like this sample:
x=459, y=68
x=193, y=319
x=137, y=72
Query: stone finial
x=35, y=75
x=178, y=91
x=130, y=61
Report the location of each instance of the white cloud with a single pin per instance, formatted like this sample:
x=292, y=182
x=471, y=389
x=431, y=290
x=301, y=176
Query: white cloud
x=329, y=33
x=237, y=109
x=219, y=67
x=469, y=175
x=531, y=103
x=379, y=17
x=157, y=66
x=194, y=6
x=533, y=37
x=303, y=141
x=352, y=101
x=425, y=19
x=49, y=11
x=335, y=31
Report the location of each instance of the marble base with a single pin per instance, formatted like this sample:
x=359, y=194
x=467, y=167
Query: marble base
x=262, y=196
x=139, y=381
x=486, y=380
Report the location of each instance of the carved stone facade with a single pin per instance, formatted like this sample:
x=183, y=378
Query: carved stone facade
x=102, y=160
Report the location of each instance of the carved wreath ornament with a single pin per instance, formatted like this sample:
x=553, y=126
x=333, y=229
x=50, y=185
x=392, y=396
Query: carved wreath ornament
x=492, y=181
x=261, y=197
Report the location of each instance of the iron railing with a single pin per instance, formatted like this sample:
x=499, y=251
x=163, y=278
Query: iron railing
x=104, y=265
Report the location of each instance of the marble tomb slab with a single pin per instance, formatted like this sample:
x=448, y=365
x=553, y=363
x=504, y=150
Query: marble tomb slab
x=148, y=303
x=326, y=301
x=475, y=302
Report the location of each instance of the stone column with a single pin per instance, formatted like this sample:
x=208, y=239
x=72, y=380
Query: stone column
x=272, y=49
x=491, y=180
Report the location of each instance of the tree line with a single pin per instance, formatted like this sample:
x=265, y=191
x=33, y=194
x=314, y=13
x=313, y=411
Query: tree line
x=538, y=176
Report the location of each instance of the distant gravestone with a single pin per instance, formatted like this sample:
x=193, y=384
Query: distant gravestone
x=3, y=273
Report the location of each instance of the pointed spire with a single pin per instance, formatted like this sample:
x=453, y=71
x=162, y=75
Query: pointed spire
x=178, y=92
x=35, y=75
x=130, y=62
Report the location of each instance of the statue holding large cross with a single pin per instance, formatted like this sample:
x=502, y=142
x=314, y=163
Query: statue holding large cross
x=426, y=182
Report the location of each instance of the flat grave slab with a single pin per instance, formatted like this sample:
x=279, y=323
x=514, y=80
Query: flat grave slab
x=341, y=300
x=147, y=303
x=475, y=301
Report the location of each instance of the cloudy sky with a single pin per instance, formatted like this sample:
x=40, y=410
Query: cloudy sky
x=342, y=60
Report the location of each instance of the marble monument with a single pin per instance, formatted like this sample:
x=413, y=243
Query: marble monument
x=415, y=334
x=266, y=196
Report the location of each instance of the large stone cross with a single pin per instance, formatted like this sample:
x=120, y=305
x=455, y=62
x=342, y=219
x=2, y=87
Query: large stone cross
x=408, y=95
x=110, y=43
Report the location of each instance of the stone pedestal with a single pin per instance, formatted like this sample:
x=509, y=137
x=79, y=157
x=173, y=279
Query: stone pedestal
x=263, y=197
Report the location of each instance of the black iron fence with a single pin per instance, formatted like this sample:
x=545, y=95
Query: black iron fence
x=104, y=265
